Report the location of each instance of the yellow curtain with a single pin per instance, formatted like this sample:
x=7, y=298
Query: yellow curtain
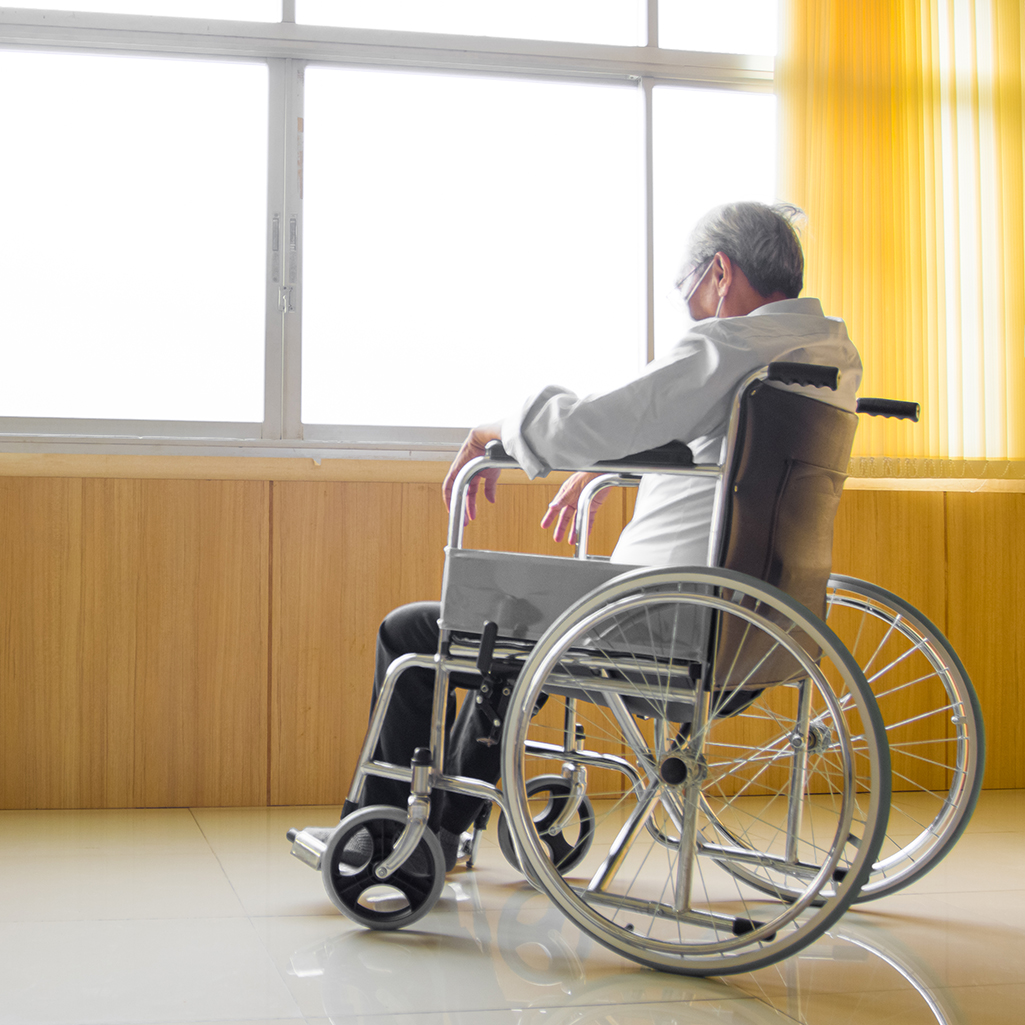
x=903, y=139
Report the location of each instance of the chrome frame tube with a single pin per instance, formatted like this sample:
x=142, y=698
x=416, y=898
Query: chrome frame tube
x=586, y=500
x=621, y=846
x=798, y=770
x=366, y=755
x=692, y=802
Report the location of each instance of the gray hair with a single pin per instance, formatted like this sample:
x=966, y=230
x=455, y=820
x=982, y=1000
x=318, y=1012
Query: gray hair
x=761, y=240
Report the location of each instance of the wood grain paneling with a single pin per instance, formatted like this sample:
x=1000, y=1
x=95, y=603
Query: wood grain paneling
x=176, y=642
x=134, y=663
x=986, y=603
x=41, y=700
x=202, y=643
x=344, y=555
x=896, y=539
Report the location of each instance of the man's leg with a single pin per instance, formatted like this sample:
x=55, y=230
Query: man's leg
x=474, y=750
x=407, y=725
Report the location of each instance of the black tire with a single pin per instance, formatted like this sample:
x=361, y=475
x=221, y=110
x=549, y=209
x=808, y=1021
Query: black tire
x=570, y=845
x=360, y=842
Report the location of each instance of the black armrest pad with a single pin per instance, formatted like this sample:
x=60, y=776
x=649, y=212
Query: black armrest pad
x=890, y=407
x=674, y=453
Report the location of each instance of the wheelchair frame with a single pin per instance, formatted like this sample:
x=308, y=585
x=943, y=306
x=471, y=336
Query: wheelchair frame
x=828, y=746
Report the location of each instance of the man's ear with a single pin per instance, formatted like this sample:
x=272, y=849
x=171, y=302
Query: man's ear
x=722, y=273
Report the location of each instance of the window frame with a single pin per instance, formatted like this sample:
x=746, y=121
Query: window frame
x=288, y=49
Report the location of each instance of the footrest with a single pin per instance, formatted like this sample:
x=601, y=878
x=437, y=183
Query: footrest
x=307, y=846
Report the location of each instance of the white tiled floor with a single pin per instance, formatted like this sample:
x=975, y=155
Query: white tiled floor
x=184, y=916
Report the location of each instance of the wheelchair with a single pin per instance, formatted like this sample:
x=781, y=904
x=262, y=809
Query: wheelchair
x=695, y=766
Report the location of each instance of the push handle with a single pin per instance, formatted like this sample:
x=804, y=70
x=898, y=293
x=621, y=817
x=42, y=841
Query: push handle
x=890, y=407
x=804, y=373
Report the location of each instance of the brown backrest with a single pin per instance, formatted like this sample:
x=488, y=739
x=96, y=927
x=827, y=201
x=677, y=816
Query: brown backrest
x=782, y=495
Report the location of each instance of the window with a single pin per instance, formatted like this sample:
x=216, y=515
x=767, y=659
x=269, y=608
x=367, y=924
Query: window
x=138, y=240
x=459, y=226
x=246, y=236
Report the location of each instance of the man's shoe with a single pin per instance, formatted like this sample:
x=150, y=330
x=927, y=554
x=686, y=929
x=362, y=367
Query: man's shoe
x=358, y=850
x=321, y=833
x=455, y=846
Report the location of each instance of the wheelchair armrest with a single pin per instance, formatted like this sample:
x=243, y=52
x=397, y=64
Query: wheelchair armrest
x=675, y=454
x=672, y=454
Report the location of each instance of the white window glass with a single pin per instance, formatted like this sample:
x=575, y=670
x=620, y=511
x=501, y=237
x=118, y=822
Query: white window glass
x=234, y=10
x=134, y=245
x=710, y=147
x=620, y=22
x=726, y=26
x=468, y=240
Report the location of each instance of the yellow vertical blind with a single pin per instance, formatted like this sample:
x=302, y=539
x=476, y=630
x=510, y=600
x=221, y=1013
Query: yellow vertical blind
x=903, y=139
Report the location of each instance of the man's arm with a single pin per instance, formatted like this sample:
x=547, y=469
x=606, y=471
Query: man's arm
x=671, y=400
x=561, y=510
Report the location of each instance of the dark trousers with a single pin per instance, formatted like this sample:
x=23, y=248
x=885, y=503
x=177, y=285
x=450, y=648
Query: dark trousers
x=407, y=724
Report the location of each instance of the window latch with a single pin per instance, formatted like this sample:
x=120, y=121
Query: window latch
x=285, y=304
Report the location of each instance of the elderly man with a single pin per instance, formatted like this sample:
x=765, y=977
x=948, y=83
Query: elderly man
x=742, y=277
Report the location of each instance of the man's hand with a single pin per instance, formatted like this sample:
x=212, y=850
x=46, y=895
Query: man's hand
x=476, y=442
x=562, y=511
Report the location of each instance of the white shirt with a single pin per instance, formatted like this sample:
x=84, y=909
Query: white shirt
x=682, y=397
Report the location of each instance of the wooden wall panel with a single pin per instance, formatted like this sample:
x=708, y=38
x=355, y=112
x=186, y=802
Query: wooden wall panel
x=177, y=642
x=344, y=555
x=986, y=600
x=40, y=605
x=134, y=626
x=896, y=539
x=201, y=700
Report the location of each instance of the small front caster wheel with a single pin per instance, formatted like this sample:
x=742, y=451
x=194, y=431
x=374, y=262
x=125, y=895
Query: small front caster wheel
x=547, y=796
x=359, y=843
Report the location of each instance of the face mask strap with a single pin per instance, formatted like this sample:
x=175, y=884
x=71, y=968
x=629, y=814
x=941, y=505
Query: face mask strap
x=697, y=285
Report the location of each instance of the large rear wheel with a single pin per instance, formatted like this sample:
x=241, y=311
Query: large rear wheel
x=729, y=829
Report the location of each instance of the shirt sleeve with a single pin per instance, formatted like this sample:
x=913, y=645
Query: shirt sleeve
x=672, y=400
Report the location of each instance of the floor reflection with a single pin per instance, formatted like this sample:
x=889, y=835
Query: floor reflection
x=523, y=949
x=169, y=917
